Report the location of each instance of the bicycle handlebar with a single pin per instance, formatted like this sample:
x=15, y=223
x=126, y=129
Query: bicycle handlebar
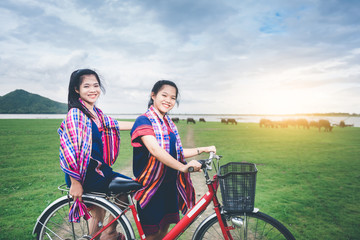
x=206, y=163
x=191, y=169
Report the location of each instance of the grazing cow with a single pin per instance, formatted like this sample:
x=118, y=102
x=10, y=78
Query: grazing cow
x=223, y=120
x=175, y=120
x=190, y=120
x=263, y=122
x=342, y=124
x=266, y=123
x=302, y=122
x=232, y=121
x=202, y=120
x=326, y=124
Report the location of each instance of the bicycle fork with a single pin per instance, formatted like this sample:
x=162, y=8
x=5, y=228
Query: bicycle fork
x=222, y=222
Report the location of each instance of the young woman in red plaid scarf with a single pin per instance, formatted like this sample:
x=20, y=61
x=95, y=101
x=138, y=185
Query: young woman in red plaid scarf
x=89, y=146
x=159, y=164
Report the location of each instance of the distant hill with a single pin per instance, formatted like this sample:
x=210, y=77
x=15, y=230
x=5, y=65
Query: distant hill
x=21, y=101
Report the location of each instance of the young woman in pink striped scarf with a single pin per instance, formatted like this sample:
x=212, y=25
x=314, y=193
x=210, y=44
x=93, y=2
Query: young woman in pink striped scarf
x=159, y=164
x=89, y=146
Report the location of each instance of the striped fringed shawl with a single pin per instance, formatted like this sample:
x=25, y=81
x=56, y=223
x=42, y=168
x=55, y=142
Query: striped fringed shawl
x=154, y=172
x=75, y=145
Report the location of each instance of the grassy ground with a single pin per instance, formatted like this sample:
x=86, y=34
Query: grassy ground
x=30, y=172
x=307, y=180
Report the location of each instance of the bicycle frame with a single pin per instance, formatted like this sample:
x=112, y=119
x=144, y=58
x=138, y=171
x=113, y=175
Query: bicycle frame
x=189, y=218
x=199, y=207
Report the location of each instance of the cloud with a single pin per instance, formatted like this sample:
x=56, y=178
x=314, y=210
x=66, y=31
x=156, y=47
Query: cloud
x=187, y=18
x=228, y=57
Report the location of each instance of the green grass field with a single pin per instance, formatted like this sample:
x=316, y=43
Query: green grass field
x=307, y=180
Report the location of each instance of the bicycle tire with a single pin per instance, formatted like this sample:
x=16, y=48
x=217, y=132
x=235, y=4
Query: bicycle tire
x=259, y=226
x=54, y=222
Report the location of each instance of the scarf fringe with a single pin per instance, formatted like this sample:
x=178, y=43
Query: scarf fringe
x=78, y=210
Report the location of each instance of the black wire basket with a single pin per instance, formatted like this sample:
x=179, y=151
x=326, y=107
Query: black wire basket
x=237, y=184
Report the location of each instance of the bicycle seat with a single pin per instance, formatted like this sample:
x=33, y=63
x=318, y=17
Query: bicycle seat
x=123, y=185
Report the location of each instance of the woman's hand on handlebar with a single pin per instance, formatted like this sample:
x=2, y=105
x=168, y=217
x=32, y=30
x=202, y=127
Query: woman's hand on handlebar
x=209, y=149
x=194, y=165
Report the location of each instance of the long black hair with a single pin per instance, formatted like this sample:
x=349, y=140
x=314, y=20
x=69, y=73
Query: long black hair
x=76, y=79
x=158, y=86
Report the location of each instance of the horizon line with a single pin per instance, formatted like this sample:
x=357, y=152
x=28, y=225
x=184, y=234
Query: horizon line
x=252, y=114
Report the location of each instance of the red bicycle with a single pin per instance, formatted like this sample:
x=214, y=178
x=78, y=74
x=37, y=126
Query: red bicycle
x=235, y=219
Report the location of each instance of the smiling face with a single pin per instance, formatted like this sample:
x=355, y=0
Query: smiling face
x=89, y=90
x=165, y=99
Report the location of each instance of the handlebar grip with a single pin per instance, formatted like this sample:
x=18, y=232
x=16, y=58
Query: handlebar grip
x=203, y=165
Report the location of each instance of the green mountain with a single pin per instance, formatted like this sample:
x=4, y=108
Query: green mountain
x=21, y=101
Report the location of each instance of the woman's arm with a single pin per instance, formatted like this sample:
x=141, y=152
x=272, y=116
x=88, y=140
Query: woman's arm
x=191, y=152
x=124, y=125
x=163, y=156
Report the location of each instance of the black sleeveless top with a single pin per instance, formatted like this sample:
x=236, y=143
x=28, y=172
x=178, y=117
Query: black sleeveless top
x=94, y=181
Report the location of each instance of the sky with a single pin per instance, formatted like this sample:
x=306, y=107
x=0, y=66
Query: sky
x=226, y=57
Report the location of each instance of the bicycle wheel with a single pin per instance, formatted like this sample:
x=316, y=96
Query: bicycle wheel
x=249, y=226
x=54, y=222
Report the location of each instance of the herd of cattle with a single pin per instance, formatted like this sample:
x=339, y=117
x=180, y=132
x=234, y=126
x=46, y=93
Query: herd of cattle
x=267, y=123
x=192, y=120
x=301, y=123
x=188, y=120
x=229, y=120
